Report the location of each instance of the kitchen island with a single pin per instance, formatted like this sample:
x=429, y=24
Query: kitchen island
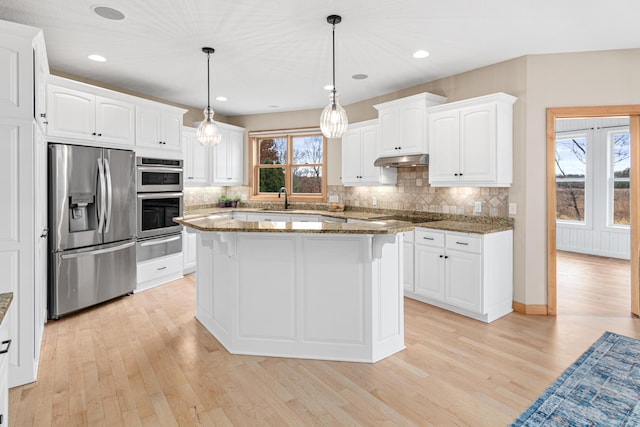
x=316, y=290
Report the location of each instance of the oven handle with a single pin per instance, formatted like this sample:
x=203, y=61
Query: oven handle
x=158, y=169
x=161, y=241
x=158, y=195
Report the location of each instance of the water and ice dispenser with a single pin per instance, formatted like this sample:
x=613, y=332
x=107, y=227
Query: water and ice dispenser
x=82, y=212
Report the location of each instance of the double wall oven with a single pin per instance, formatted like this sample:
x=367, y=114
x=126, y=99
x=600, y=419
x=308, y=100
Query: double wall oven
x=160, y=199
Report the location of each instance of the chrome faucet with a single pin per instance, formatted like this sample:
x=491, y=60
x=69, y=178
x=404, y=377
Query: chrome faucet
x=286, y=196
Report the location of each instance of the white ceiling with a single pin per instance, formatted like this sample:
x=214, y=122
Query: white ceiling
x=278, y=52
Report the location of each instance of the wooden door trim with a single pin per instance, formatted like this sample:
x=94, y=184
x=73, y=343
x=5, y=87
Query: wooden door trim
x=633, y=111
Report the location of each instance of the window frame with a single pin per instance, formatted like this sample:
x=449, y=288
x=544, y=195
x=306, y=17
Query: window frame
x=289, y=166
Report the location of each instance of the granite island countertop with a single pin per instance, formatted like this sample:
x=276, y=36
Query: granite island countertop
x=213, y=222
x=380, y=221
x=5, y=302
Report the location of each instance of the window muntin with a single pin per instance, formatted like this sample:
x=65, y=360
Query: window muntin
x=618, y=178
x=571, y=177
x=296, y=161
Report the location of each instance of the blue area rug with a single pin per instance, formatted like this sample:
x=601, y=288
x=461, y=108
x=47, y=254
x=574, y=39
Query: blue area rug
x=602, y=388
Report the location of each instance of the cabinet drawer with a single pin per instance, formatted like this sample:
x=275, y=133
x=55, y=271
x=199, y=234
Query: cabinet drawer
x=427, y=237
x=160, y=267
x=463, y=242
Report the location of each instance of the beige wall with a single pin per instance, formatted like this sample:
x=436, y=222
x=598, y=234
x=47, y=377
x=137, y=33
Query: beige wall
x=561, y=80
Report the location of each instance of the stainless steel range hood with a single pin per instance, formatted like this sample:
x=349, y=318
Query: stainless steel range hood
x=403, y=161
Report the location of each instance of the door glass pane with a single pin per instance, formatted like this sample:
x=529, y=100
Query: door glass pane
x=307, y=179
x=620, y=143
x=571, y=172
x=273, y=151
x=307, y=149
x=271, y=179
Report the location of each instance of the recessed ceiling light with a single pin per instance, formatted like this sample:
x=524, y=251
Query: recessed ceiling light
x=221, y=98
x=419, y=54
x=108, y=13
x=359, y=76
x=97, y=58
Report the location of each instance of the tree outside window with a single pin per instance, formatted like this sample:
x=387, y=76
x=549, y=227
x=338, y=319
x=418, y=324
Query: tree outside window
x=571, y=173
x=619, y=177
x=294, y=161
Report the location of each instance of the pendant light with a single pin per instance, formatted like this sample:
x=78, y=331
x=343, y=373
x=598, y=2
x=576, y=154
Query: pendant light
x=333, y=121
x=208, y=132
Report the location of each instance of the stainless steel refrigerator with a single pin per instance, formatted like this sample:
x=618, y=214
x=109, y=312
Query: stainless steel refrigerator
x=92, y=223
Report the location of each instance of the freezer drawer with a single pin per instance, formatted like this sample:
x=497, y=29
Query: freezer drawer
x=83, y=277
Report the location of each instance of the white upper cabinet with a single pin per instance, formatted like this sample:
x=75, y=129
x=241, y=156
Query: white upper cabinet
x=228, y=156
x=158, y=128
x=40, y=75
x=196, y=165
x=360, y=149
x=82, y=115
x=403, y=124
x=471, y=142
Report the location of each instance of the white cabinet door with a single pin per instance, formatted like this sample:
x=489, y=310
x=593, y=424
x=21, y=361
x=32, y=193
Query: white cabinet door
x=189, y=244
x=351, y=160
x=71, y=113
x=40, y=234
x=171, y=130
x=148, y=128
x=464, y=280
x=360, y=149
x=41, y=73
x=429, y=272
x=196, y=167
x=369, y=147
x=471, y=142
x=444, y=146
x=114, y=121
x=389, y=131
x=408, y=266
x=228, y=157
x=478, y=144
x=403, y=124
x=16, y=70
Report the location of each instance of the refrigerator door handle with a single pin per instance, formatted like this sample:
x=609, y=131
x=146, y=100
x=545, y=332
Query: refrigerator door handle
x=101, y=211
x=98, y=251
x=107, y=172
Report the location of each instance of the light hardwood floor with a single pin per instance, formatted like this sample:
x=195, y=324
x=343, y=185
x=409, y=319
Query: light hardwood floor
x=145, y=360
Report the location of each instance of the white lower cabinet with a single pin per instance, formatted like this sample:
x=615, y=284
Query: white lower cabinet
x=158, y=271
x=190, y=243
x=470, y=274
x=408, y=263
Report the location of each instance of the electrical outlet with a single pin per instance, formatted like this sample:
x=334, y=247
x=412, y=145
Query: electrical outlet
x=477, y=207
x=374, y=201
x=333, y=199
x=513, y=209
x=206, y=197
x=243, y=197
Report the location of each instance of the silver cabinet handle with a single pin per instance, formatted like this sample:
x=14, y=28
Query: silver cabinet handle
x=428, y=238
x=159, y=242
x=162, y=268
x=462, y=243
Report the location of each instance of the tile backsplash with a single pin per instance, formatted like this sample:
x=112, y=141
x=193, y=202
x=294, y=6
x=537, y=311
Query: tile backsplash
x=411, y=193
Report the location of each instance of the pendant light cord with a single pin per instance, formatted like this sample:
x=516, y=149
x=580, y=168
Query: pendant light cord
x=208, y=83
x=333, y=40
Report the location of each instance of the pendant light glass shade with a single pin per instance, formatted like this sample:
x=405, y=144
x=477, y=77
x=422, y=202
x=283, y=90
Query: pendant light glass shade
x=208, y=132
x=333, y=121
